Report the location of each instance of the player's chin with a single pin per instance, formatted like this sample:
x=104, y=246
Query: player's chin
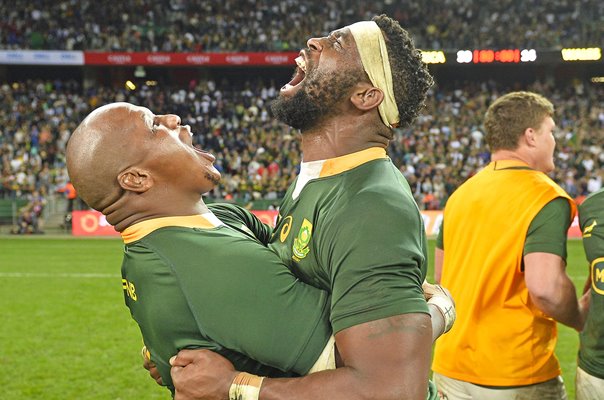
x=213, y=175
x=550, y=167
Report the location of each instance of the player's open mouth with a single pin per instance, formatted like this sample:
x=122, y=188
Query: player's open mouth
x=299, y=75
x=208, y=156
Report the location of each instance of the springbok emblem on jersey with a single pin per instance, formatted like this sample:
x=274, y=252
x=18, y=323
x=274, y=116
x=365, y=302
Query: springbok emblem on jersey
x=300, y=247
x=588, y=229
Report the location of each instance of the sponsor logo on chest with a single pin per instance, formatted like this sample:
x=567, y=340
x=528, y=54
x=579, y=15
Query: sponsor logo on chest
x=129, y=289
x=597, y=275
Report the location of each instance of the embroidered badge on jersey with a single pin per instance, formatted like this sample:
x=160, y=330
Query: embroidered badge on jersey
x=588, y=229
x=300, y=247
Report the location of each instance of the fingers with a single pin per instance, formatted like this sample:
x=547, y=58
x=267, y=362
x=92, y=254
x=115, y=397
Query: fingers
x=153, y=371
x=185, y=357
x=430, y=290
x=150, y=366
x=156, y=376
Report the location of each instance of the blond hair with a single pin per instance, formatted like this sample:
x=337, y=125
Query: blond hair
x=510, y=115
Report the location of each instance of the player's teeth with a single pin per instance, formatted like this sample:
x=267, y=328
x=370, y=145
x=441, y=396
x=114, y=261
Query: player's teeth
x=301, y=63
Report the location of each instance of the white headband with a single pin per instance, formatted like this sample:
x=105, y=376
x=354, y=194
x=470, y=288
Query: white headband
x=377, y=65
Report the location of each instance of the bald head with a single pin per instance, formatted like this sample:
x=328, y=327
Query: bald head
x=100, y=148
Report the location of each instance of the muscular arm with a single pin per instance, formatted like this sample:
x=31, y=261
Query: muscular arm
x=552, y=290
x=382, y=360
x=545, y=275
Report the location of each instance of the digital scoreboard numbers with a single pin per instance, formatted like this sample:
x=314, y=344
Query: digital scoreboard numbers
x=488, y=56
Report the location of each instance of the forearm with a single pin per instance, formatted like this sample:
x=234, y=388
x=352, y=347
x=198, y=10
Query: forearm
x=561, y=303
x=387, y=359
x=551, y=289
x=341, y=384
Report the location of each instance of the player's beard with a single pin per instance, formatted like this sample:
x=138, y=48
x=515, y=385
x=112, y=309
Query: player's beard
x=318, y=98
x=213, y=178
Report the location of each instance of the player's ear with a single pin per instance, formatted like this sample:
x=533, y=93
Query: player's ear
x=366, y=96
x=529, y=137
x=135, y=179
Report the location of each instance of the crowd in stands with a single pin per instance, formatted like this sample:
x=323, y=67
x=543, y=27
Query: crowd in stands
x=258, y=157
x=281, y=25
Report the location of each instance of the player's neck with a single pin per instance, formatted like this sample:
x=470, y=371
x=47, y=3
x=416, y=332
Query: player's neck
x=123, y=214
x=336, y=139
x=513, y=155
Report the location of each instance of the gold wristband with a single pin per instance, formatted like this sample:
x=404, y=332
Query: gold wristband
x=245, y=387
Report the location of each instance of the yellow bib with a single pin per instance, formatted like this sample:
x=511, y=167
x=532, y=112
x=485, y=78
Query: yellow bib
x=499, y=338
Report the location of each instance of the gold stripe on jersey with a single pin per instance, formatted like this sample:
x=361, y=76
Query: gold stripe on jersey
x=334, y=166
x=142, y=229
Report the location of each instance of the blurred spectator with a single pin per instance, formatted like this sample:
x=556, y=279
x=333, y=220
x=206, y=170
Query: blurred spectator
x=258, y=157
x=70, y=194
x=29, y=219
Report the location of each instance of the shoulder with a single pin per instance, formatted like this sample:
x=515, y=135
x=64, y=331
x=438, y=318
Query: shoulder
x=231, y=215
x=556, y=213
x=377, y=211
x=591, y=209
x=227, y=211
x=593, y=201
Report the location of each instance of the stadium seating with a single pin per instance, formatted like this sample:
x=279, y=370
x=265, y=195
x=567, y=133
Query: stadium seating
x=276, y=25
x=259, y=157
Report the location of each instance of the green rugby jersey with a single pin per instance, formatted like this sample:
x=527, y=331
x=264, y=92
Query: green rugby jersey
x=194, y=282
x=350, y=225
x=591, y=348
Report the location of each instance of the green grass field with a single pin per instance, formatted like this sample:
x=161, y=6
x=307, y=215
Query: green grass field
x=66, y=333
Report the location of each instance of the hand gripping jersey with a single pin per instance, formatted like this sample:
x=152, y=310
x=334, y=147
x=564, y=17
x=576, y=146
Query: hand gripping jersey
x=591, y=349
x=204, y=282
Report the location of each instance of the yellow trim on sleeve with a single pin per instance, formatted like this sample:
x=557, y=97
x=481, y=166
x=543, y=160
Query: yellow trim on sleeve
x=142, y=229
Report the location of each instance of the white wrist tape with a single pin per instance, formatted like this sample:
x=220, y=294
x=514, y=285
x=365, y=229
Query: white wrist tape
x=447, y=309
x=245, y=387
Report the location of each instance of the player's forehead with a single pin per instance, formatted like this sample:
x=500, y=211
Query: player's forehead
x=344, y=34
x=146, y=116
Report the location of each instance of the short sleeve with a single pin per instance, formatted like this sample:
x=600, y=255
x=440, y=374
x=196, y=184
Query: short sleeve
x=548, y=231
x=378, y=262
x=242, y=220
